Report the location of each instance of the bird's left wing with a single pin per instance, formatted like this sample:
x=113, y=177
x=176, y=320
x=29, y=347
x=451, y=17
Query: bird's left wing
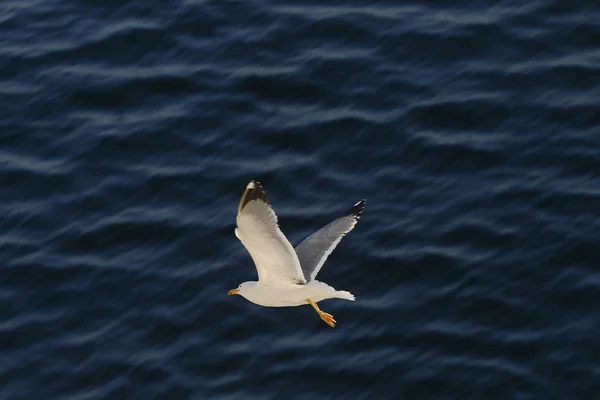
x=314, y=250
x=258, y=230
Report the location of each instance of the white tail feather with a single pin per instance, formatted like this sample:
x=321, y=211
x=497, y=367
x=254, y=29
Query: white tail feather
x=342, y=294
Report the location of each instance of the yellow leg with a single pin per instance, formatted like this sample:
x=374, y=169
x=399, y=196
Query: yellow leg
x=328, y=318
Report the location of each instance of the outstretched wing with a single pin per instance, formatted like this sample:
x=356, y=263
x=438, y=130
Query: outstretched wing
x=257, y=229
x=314, y=250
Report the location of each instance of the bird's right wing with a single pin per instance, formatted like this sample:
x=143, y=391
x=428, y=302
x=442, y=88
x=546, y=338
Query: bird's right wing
x=314, y=250
x=257, y=228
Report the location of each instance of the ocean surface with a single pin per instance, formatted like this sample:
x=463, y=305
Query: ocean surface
x=129, y=130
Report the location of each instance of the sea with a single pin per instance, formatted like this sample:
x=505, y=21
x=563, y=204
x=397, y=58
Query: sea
x=129, y=130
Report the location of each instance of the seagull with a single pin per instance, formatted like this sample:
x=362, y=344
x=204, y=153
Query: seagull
x=286, y=276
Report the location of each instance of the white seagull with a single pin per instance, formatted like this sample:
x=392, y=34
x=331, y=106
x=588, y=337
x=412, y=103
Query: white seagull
x=286, y=276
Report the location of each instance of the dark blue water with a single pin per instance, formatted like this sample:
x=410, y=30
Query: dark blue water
x=128, y=131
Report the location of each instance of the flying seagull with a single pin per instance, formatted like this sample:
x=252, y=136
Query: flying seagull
x=286, y=276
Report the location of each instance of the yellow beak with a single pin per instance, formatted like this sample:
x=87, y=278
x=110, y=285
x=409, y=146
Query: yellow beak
x=232, y=292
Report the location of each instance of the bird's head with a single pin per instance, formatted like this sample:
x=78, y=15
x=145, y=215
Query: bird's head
x=242, y=289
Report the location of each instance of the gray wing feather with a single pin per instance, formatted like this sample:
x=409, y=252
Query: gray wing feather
x=314, y=250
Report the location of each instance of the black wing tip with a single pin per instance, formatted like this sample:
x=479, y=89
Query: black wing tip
x=254, y=191
x=357, y=209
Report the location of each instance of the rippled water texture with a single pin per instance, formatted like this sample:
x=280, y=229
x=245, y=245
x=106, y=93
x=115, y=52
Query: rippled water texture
x=128, y=131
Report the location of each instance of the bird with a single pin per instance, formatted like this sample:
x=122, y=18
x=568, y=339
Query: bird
x=287, y=275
